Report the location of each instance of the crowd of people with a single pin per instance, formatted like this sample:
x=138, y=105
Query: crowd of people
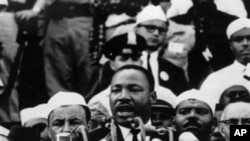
x=123, y=70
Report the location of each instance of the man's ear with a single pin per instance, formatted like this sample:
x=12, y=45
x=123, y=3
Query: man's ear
x=49, y=134
x=153, y=97
x=112, y=65
x=221, y=129
x=136, y=29
x=214, y=124
x=173, y=123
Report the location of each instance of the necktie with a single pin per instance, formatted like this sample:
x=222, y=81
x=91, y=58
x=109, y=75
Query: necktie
x=148, y=63
x=135, y=132
x=246, y=72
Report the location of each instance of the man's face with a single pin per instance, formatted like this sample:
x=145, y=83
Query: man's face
x=161, y=117
x=235, y=93
x=125, y=59
x=130, y=96
x=194, y=116
x=234, y=116
x=154, y=31
x=66, y=119
x=240, y=45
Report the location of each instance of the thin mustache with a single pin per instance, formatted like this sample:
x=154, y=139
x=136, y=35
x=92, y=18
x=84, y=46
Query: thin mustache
x=192, y=123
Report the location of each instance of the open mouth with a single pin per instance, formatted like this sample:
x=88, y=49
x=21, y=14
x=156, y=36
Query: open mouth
x=192, y=126
x=125, y=111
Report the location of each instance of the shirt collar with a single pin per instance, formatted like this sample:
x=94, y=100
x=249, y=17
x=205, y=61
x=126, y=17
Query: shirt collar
x=238, y=65
x=125, y=131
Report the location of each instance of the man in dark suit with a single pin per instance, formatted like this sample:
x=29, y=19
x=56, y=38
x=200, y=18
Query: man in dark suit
x=211, y=50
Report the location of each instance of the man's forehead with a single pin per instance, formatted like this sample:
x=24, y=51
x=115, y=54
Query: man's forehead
x=192, y=103
x=155, y=22
x=237, y=112
x=130, y=77
x=71, y=110
x=242, y=32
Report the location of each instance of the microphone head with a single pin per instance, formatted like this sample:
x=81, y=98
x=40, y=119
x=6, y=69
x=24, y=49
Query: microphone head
x=187, y=136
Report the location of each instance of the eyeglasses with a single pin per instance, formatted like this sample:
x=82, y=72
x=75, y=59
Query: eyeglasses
x=241, y=94
x=240, y=38
x=243, y=121
x=152, y=28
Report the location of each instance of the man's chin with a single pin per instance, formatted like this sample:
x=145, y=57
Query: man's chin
x=124, y=118
x=194, y=130
x=153, y=47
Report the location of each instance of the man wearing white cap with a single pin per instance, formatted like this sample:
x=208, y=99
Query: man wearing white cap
x=37, y=118
x=68, y=114
x=238, y=32
x=151, y=23
x=194, y=114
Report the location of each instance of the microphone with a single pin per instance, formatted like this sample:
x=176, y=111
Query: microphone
x=187, y=136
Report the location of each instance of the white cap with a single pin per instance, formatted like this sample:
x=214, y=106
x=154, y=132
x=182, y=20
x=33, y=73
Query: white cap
x=4, y=131
x=64, y=98
x=237, y=25
x=195, y=94
x=234, y=82
x=151, y=12
x=39, y=111
x=115, y=19
x=165, y=95
x=123, y=29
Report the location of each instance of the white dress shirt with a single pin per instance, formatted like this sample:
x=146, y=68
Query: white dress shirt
x=154, y=64
x=128, y=136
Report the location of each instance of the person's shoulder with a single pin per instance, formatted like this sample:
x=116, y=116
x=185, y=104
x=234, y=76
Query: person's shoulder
x=100, y=96
x=222, y=15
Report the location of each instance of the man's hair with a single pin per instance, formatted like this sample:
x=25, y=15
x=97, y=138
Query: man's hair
x=148, y=75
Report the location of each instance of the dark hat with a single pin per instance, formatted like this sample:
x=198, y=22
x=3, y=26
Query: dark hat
x=128, y=43
x=161, y=104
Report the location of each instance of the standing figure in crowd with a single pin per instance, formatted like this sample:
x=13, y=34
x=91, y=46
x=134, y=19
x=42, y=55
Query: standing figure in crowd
x=194, y=115
x=66, y=46
x=238, y=33
x=151, y=23
x=33, y=125
x=211, y=50
x=234, y=114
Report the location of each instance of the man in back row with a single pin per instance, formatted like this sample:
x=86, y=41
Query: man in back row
x=151, y=23
x=238, y=33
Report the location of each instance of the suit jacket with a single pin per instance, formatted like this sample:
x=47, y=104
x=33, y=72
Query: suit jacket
x=172, y=77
